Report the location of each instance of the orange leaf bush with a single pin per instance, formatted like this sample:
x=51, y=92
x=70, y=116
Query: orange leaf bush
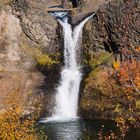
x=13, y=124
x=129, y=76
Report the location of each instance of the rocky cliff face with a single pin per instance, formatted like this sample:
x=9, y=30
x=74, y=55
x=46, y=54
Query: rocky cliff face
x=16, y=66
x=113, y=32
x=31, y=42
x=36, y=23
x=29, y=35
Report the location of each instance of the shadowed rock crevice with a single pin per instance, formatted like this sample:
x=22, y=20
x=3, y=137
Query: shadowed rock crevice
x=75, y=3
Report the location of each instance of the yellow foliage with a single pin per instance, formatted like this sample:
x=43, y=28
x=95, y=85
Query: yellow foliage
x=116, y=64
x=138, y=104
x=39, y=56
x=44, y=59
x=98, y=60
x=13, y=126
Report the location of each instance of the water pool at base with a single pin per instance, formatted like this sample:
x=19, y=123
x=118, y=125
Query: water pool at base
x=83, y=130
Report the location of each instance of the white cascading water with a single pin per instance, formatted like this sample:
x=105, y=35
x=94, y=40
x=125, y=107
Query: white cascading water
x=68, y=89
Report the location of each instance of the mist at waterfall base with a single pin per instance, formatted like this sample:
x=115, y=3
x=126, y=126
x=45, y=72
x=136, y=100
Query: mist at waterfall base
x=67, y=92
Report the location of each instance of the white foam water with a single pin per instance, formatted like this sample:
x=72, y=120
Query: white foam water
x=67, y=92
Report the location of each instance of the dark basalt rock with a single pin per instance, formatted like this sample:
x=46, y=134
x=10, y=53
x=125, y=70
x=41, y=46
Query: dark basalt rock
x=74, y=3
x=116, y=25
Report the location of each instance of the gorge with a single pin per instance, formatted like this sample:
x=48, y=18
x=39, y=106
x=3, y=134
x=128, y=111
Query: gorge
x=79, y=72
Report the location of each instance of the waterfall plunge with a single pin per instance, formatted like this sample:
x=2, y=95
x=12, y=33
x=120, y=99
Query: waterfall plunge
x=68, y=89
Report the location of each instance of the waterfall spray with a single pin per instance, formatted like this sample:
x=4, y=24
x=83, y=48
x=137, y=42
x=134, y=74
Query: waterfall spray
x=67, y=91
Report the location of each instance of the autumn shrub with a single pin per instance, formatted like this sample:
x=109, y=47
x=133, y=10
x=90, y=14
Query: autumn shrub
x=126, y=75
x=111, y=136
x=39, y=56
x=15, y=123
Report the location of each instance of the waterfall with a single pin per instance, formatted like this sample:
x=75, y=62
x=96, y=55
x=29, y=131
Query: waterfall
x=67, y=91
